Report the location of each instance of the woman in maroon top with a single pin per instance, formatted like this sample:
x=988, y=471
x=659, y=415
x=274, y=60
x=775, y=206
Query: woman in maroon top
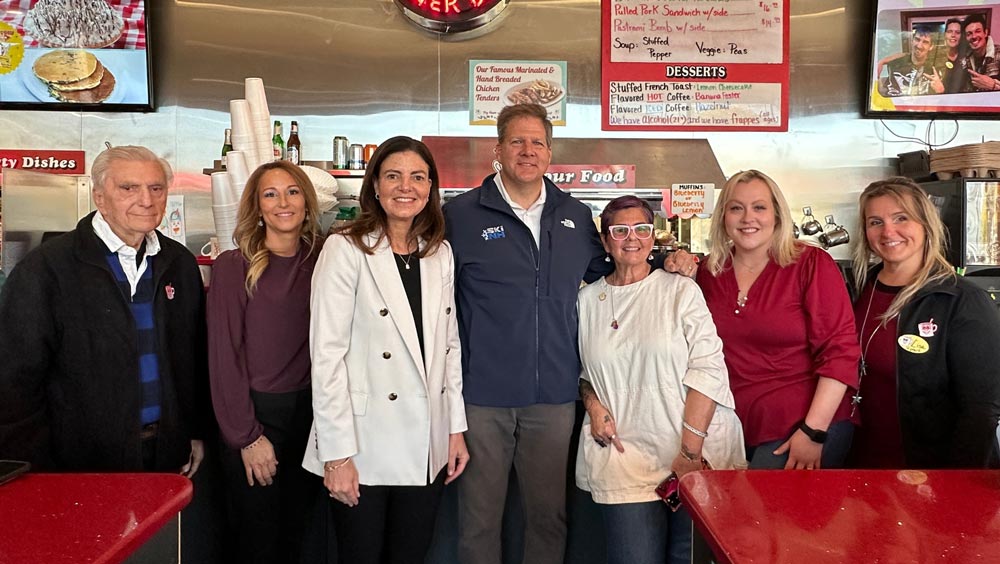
x=782, y=310
x=258, y=322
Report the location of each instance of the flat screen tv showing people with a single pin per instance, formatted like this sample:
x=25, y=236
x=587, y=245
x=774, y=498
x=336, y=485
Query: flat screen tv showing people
x=82, y=55
x=934, y=57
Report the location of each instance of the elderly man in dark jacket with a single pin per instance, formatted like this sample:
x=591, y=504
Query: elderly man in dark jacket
x=102, y=336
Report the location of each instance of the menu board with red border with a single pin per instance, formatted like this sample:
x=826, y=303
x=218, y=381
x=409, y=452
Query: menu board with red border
x=694, y=65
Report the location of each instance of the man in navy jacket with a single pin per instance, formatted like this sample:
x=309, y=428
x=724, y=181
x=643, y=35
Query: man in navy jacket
x=522, y=247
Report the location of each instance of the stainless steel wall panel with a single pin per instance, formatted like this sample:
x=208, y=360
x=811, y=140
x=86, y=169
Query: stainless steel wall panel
x=358, y=68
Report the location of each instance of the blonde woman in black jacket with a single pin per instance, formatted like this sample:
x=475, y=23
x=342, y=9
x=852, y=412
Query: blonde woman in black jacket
x=929, y=342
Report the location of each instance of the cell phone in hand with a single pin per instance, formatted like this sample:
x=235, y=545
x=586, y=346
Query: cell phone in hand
x=10, y=469
x=669, y=492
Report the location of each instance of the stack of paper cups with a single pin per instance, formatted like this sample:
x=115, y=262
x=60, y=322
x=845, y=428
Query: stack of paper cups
x=260, y=119
x=222, y=192
x=225, y=223
x=243, y=132
x=225, y=208
x=238, y=172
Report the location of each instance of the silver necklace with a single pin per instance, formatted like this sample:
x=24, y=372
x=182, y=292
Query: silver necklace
x=863, y=364
x=614, y=316
x=406, y=261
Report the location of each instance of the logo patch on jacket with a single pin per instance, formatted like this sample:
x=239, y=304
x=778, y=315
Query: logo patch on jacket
x=568, y=223
x=927, y=328
x=493, y=233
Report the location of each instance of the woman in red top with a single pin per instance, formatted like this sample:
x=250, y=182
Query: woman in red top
x=782, y=310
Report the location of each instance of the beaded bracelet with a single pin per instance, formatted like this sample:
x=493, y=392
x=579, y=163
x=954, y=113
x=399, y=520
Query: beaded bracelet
x=701, y=434
x=253, y=444
x=330, y=466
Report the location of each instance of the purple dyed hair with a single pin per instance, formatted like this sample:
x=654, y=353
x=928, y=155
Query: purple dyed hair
x=623, y=203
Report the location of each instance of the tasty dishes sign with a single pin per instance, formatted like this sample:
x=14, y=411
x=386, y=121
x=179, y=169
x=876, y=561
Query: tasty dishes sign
x=75, y=55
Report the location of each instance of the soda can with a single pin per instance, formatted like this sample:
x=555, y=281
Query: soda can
x=369, y=152
x=340, y=146
x=356, y=157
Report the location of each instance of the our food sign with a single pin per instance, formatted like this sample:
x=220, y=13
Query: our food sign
x=494, y=85
x=569, y=176
x=694, y=65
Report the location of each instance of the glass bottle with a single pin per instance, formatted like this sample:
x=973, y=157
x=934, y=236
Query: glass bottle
x=293, y=149
x=277, y=142
x=227, y=146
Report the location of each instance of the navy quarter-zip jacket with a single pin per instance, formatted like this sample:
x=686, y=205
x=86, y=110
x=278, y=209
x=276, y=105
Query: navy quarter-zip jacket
x=517, y=300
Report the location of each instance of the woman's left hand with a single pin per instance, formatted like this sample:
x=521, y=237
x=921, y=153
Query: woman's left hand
x=681, y=465
x=803, y=453
x=458, y=457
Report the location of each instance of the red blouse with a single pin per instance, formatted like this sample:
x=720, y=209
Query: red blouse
x=796, y=326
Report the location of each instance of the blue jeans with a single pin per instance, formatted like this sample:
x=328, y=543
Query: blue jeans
x=647, y=533
x=835, y=449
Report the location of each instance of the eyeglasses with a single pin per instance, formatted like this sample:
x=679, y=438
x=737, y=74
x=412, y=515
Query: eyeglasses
x=620, y=232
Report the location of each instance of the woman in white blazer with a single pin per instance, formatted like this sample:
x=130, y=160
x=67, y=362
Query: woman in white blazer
x=386, y=364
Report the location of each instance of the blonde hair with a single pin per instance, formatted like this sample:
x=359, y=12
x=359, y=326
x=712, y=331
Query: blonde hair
x=934, y=267
x=784, y=248
x=249, y=236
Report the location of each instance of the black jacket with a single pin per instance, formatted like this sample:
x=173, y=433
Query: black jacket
x=69, y=384
x=949, y=396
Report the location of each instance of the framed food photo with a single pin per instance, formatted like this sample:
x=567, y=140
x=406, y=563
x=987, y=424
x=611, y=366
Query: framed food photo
x=76, y=55
x=935, y=59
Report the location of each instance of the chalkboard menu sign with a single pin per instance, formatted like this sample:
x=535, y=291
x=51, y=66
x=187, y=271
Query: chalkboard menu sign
x=694, y=65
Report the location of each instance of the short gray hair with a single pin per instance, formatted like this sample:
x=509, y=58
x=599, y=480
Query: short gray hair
x=102, y=164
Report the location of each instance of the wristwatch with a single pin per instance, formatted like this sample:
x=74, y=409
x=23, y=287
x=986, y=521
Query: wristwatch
x=815, y=435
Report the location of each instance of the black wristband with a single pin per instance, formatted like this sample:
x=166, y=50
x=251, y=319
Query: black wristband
x=813, y=434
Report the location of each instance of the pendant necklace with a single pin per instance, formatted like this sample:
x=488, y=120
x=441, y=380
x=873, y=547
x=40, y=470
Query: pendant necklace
x=741, y=302
x=614, y=316
x=862, y=364
x=406, y=261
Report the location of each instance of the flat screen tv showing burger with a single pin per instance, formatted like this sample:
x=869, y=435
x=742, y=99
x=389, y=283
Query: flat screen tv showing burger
x=82, y=55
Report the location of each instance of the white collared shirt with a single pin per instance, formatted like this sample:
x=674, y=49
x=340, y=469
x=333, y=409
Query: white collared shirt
x=532, y=217
x=126, y=254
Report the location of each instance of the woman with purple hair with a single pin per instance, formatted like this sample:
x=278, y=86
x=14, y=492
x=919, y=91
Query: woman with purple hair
x=656, y=390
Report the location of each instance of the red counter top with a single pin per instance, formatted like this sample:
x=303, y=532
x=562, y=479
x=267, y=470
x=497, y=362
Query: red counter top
x=838, y=516
x=56, y=518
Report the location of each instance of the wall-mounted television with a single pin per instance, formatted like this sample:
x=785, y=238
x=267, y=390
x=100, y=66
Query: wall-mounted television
x=933, y=59
x=76, y=55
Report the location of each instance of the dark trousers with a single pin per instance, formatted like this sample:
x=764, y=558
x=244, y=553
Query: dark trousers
x=835, y=449
x=389, y=525
x=269, y=520
x=647, y=533
x=534, y=440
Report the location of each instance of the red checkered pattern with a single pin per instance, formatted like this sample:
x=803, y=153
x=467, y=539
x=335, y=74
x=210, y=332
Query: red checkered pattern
x=133, y=11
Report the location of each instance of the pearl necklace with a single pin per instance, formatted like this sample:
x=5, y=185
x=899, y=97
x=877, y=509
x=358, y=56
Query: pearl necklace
x=406, y=261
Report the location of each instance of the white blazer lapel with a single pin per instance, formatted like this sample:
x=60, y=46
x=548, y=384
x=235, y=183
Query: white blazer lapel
x=430, y=302
x=386, y=275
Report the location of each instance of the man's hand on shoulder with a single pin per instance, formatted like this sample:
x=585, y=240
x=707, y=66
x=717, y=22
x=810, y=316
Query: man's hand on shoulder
x=681, y=262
